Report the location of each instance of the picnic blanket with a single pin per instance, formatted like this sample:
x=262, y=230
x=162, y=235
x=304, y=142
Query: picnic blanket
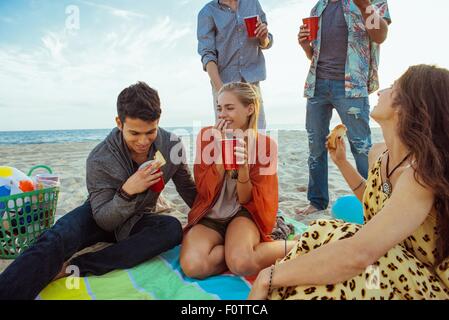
x=160, y=278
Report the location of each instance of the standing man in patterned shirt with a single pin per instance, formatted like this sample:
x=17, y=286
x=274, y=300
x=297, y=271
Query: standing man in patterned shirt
x=227, y=53
x=344, y=71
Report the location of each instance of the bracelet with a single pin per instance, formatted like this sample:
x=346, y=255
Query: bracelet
x=244, y=181
x=125, y=195
x=361, y=183
x=271, y=279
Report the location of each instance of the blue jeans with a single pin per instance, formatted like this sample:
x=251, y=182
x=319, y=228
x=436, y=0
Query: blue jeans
x=34, y=269
x=354, y=113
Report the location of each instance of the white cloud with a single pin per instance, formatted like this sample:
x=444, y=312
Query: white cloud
x=127, y=14
x=72, y=80
x=55, y=43
x=76, y=80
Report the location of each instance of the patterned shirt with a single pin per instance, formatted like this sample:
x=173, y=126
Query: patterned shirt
x=362, y=60
x=222, y=38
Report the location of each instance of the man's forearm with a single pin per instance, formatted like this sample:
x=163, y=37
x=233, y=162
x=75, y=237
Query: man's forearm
x=308, y=51
x=212, y=71
x=376, y=27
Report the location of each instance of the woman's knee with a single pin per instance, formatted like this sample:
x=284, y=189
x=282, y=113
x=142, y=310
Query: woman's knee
x=194, y=266
x=241, y=264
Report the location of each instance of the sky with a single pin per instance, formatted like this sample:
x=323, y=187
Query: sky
x=63, y=63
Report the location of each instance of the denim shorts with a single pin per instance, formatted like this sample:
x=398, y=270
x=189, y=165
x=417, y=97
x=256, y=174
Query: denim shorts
x=220, y=225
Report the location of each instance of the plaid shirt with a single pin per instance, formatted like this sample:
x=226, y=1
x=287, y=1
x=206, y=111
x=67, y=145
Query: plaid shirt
x=362, y=60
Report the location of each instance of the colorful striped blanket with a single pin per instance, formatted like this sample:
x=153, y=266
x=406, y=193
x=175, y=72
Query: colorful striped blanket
x=160, y=278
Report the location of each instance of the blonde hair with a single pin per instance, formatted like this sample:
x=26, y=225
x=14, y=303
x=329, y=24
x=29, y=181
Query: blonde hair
x=247, y=94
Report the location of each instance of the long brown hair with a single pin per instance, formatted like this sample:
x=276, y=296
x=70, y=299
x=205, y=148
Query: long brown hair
x=423, y=97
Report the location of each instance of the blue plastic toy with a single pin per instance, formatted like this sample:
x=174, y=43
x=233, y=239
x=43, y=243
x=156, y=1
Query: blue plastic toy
x=349, y=209
x=4, y=191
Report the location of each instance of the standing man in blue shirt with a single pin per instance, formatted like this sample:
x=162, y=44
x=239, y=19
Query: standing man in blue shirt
x=227, y=53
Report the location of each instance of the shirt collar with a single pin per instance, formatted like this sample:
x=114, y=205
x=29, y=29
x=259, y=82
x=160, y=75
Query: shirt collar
x=157, y=144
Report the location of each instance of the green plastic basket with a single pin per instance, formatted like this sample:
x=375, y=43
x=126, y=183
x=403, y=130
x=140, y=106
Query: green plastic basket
x=25, y=216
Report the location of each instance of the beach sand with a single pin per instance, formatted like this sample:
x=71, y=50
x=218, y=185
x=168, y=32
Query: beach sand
x=69, y=160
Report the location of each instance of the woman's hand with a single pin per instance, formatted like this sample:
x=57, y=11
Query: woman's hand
x=219, y=132
x=259, y=290
x=338, y=155
x=241, y=153
x=221, y=125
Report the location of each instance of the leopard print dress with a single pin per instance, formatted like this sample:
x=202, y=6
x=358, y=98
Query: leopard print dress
x=407, y=271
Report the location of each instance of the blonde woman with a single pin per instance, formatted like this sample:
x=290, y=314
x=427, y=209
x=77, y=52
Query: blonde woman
x=230, y=223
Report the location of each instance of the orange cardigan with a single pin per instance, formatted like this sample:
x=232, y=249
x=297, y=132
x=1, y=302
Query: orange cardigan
x=263, y=206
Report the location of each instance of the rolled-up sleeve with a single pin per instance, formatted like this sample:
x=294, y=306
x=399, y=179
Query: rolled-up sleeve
x=108, y=209
x=263, y=19
x=206, y=38
x=381, y=7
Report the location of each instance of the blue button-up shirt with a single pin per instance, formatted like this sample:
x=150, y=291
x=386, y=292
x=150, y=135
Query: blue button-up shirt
x=222, y=38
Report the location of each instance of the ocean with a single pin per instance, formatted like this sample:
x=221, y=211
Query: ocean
x=85, y=135
x=53, y=136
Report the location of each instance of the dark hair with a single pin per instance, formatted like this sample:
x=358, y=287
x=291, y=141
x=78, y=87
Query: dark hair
x=423, y=99
x=139, y=101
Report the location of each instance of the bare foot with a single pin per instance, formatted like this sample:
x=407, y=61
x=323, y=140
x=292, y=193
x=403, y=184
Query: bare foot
x=63, y=273
x=310, y=209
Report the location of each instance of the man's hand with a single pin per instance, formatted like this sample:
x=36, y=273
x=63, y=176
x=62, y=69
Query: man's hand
x=303, y=36
x=262, y=33
x=217, y=85
x=376, y=26
x=142, y=180
x=362, y=4
x=304, y=42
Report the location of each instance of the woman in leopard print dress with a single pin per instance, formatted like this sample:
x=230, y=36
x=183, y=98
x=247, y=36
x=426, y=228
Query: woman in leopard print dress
x=402, y=250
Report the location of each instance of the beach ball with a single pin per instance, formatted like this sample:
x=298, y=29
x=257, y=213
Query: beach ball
x=349, y=209
x=15, y=181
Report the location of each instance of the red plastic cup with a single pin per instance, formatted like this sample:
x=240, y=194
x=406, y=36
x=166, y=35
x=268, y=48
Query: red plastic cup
x=313, y=24
x=251, y=25
x=158, y=186
x=228, y=154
